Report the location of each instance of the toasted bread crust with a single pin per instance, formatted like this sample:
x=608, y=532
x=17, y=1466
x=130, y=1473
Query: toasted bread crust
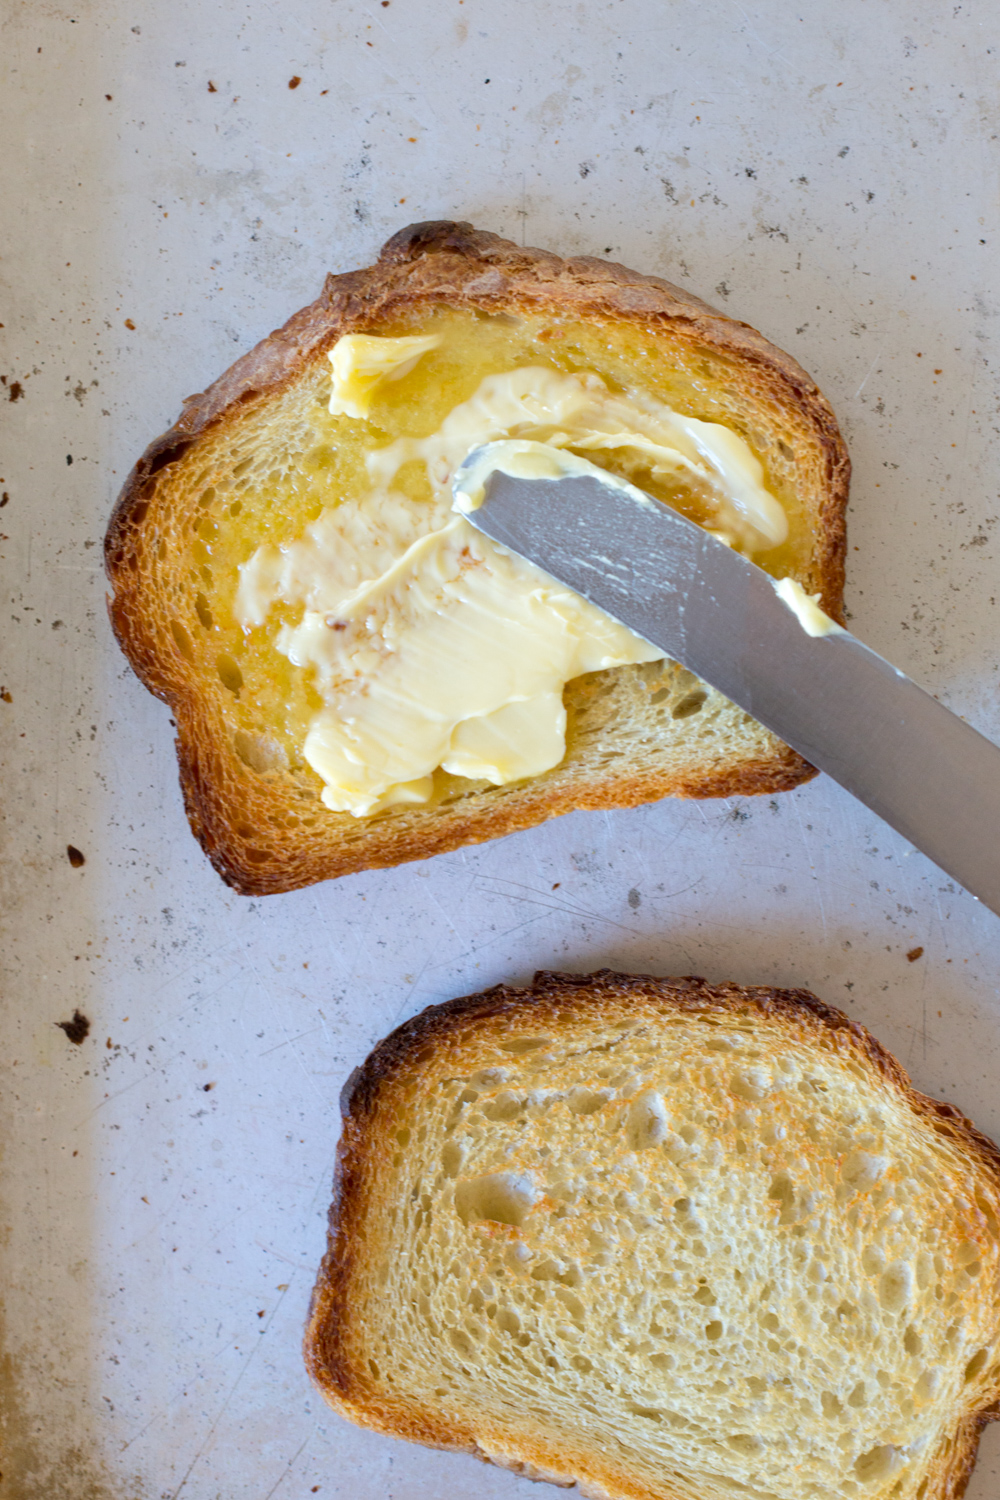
x=331, y=1344
x=424, y=265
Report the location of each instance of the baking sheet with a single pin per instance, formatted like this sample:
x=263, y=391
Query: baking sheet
x=169, y=197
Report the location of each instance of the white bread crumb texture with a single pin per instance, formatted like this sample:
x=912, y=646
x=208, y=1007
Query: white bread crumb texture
x=714, y=1260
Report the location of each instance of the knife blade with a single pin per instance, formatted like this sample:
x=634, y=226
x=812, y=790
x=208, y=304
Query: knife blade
x=843, y=707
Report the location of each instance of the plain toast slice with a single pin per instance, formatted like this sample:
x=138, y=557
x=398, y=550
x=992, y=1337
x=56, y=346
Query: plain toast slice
x=255, y=458
x=666, y=1240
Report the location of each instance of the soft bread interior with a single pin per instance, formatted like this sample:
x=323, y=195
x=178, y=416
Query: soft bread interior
x=705, y=1256
x=269, y=470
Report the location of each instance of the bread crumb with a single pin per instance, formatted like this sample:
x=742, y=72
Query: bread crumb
x=77, y=1030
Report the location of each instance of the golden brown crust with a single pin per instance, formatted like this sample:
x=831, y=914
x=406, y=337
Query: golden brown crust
x=257, y=868
x=423, y=265
x=330, y=1357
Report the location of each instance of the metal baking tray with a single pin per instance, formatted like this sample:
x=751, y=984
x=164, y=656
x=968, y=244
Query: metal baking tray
x=176, y=181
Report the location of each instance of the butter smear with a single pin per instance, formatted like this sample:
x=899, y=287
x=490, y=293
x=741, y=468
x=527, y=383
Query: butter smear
x=805, y=607
x=431, y=645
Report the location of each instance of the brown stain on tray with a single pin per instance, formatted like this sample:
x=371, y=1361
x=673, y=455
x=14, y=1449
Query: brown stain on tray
x=32, y=1465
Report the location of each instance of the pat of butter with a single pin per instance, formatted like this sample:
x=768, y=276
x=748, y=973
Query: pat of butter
x=431, y=645
x=361, y=362
x=805, y=608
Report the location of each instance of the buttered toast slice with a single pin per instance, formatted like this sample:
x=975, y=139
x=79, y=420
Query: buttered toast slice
x=665, y=1240
x=358, y=678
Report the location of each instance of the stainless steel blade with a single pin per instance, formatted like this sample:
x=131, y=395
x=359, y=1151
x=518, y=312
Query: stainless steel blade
x=847, y=710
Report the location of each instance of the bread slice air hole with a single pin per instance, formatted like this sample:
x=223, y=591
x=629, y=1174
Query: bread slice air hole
x=182, y=640
x=692, y=703
x=229, y=673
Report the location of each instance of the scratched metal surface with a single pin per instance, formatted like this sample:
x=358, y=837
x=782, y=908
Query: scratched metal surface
x=832, y=178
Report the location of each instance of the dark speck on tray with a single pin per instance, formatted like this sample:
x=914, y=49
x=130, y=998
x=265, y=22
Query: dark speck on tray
x=76, y=1030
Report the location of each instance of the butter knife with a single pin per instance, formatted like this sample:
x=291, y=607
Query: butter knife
x=843, y=707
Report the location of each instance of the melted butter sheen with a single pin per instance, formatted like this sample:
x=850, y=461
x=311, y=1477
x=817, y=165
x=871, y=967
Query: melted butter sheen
x=429, y=644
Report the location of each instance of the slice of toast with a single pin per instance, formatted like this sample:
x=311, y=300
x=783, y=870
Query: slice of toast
x=665, y=1240
x=256, y=458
